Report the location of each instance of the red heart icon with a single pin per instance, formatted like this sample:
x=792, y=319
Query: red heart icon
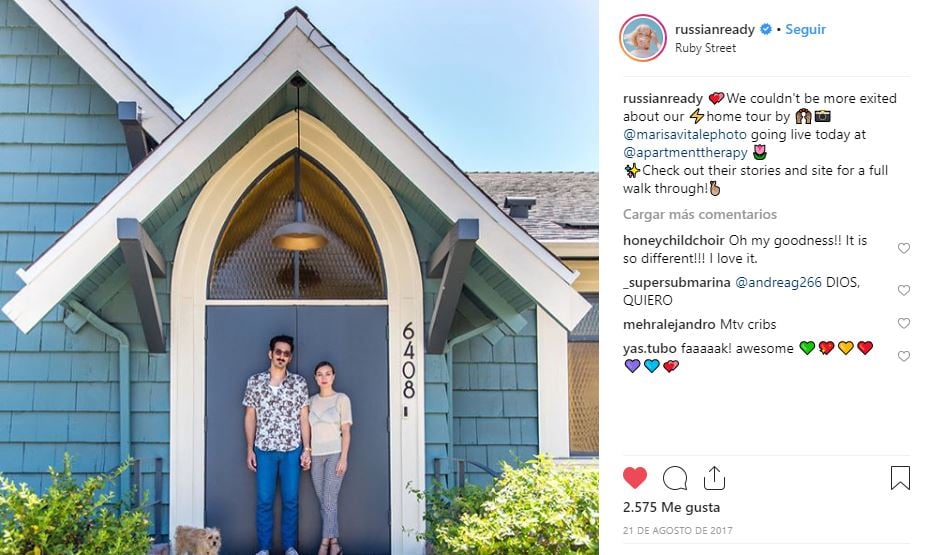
x=826, y=347
x=865, y=347
x=634, y=476
x=670, y=365
x=715, y=97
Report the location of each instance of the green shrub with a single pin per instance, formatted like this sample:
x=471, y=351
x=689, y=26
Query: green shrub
x=69, y=519
x=534, y=509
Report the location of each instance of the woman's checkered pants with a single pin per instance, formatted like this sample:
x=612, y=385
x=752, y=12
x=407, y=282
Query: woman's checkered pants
x=327, y=486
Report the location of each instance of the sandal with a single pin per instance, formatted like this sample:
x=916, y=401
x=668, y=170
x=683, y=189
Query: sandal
x=324, y=548
x=334, y=547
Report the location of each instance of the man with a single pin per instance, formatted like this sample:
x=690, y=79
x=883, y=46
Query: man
x=277, y=437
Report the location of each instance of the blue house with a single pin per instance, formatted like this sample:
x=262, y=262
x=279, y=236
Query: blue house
x=142, y=272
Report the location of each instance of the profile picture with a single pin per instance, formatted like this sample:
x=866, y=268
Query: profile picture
x=642, y=38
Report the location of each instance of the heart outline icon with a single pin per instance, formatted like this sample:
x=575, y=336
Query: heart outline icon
x=845, y=346
x=904, y=322
x=670, y=365
x=904, y=247
x=715, y=97
x=904, y=290
x=634, y=476
x=807, y=347
x=865, y=347
x=632, y=364
x=651, y=364
x=826, y=347
x=904, y=355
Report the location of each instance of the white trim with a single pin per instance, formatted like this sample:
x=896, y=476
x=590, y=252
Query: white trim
x=582, y=248
x=78, y=252
x=99, y=61
x=297, y=302
x=552, y=365
x=403, y=126
x=188, y=306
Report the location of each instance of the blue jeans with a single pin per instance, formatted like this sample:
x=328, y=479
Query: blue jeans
x=271, y=465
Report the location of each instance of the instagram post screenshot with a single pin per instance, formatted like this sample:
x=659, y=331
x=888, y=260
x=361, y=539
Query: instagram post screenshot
x=304, y=277
x=763, y=376
x=299, y=277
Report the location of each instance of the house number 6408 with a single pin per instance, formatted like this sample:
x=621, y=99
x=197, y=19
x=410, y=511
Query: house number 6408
x=409, y=368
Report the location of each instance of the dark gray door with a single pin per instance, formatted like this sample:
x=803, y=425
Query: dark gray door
x=354, y=339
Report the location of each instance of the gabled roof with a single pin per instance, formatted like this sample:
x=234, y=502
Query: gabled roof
x=295, y=46
x=102, y=63
x=566, y=206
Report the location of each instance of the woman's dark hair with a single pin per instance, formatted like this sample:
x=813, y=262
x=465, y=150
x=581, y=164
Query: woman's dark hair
x=323, y=363
x=281, y=339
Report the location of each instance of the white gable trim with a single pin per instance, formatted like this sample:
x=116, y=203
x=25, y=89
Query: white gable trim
x=288, y=49
x=552, y=366
x=99, y=61
x=425, y=146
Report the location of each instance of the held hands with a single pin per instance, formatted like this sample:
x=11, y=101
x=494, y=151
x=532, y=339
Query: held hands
x=342, y=466
x=305, y=460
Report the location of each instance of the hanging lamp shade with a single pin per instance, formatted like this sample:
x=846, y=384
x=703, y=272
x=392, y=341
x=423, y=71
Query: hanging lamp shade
x=299, y=235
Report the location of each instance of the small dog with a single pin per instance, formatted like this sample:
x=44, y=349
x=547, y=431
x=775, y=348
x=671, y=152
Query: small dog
x=196, y=541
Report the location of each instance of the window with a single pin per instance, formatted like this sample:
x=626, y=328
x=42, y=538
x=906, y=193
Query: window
x=247, y=266
x=583, y=406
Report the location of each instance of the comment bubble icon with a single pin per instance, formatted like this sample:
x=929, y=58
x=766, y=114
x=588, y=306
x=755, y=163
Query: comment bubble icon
x=675, y=478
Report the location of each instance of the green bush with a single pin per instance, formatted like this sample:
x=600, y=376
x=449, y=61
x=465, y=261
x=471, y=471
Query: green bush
x=534, y=509
x=69, y=519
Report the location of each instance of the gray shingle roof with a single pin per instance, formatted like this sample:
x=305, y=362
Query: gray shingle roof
x=566, y=202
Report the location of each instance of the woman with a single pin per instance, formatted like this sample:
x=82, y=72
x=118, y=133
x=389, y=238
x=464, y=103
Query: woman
x=330, y=421
x=642, y=38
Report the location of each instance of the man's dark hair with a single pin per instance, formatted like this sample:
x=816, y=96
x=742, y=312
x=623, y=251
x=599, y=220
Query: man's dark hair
x=281, y=339
x=323, y=363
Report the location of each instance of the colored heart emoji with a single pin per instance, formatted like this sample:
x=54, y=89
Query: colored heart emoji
x=904, y=322
x=904, y=290
x=651, y=364
x=715, y=97
x=670, y=365
x=865, y=346
x=632, y=364
x=634, y=476
x=826, y=347
x=807, y=347
x=845, y=346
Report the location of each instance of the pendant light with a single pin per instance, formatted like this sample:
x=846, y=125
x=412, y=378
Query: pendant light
x=299, y=235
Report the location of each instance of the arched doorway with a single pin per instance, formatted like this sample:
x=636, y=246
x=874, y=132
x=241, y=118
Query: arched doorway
x=336, y=310
x=200, y=309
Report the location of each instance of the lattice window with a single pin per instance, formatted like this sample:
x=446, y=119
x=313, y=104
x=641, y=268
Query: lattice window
x=583, y=405
x=247, y=266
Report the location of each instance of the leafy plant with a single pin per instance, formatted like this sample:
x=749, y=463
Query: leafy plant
x=535, y=509
x=69, y=518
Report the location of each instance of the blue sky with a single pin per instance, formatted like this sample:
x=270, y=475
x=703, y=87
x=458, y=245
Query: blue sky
x=506, y=85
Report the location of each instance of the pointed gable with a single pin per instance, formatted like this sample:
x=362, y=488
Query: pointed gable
x=383, y=136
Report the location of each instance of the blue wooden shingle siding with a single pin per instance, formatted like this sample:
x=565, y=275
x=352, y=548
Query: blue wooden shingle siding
x=494, y=400
x=493, y=394
x=61, y=150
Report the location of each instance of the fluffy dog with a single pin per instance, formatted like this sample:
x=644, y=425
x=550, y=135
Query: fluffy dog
x=196, y=541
